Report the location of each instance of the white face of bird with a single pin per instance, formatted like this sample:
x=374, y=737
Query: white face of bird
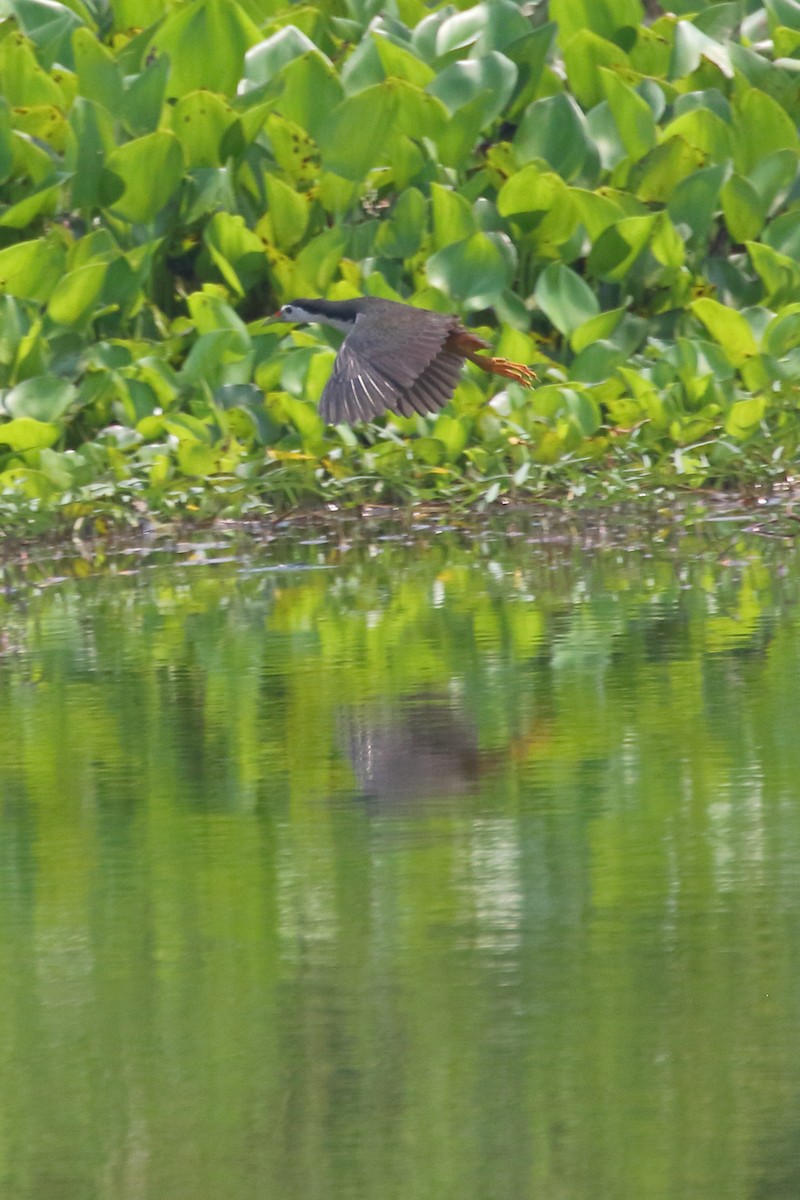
x=294, y=313
x=299, y=315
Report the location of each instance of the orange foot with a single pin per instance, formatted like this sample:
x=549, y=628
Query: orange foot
x=509, y=370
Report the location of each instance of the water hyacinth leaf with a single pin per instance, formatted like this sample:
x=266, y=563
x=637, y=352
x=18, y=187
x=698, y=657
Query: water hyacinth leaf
x=773, y=175
x=744, y=417
x=400, y=63
x=474, y=271
x=633, y=116
x=358, y=130
x=762, y=128
x=200, y=120
x=783, y=332
x=75, y=294
x=24, y=80
x=552, y=129
x=489, y=26
x=783, y=12
x=288, y=212
x=597, y=212
x=743, y=208
x=26, y=433
x=99, y=76
x=401, y=234
x=205, y=41
x=729, y=328
x=492, y=77
x=695, y=201
x=50, y=26
x=41, y=201
x=596, y=328
x=150, y=169
x=565, y=299
x=310, y=92
x=30, y=270
x=452, y=217
x=144, y=97
x=584, y=55
x=603, y=132
x=655, y=177
x=690, y=46
x=779, y=274
x=603, y=17
x=618, y=247
x=44, y=398
x=267, y=58
x=530, y=191
x=705, y=131
x=453, y=433
x=783, y=234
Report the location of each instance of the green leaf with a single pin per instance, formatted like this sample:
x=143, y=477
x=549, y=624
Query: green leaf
x=359, y=132
x=399, y=63
x=727, y=327
x=453, y=219
x=633, y=115
x=206, y=41
x=695, y=201
x=267, y=58
x=744, y=417
x=491, y=78
x=310, y=92
x=30, y=270
x=26, y=433
x=690, y=46
x=200, y=120
x=619, y=246
x=705, y=131
x=288, y=211
x=144, y=97
x=44, y=398
x=584, y=55
x=783, y=332
x=552, y=129
x=743, y=209
x=473, y=271
x=655, y=177
x=603, y=17
x=489, y=26
x=99, y=76
x=150, y=168
x=565, y=299
x=402, y=233
x=50, y=27
x=41, y=200
x=783, y=234
x=75, y=294
x=763, y=127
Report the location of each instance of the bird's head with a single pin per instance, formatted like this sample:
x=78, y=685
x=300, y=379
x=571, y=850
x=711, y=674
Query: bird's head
x=341, y=314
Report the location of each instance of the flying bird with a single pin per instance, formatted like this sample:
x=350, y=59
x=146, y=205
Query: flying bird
x=395, y=357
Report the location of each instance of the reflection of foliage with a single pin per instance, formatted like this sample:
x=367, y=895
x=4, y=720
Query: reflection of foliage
x=224, y=974
x=621, y=193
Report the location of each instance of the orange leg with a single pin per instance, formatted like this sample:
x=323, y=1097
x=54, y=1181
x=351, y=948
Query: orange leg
x=467, y=344
x=503, y=366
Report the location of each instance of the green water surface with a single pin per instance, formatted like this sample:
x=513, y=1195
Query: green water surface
x=403, y=864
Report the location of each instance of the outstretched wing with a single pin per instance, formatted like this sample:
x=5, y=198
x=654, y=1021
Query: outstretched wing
x=397, y=363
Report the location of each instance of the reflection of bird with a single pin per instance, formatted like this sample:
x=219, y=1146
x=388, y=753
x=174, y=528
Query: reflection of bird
x=395, y=357
x=424, y=747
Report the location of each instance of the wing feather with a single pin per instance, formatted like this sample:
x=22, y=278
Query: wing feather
x=406, y=371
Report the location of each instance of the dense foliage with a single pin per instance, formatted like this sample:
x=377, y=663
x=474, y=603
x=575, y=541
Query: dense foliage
x=612, y=198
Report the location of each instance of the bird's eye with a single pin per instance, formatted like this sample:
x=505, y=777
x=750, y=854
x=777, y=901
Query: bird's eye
x=287, y=310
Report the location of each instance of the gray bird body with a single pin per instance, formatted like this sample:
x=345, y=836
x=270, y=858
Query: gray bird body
x=395, y=357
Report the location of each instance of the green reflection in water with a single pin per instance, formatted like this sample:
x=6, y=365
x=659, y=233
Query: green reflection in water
x=466, y=868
